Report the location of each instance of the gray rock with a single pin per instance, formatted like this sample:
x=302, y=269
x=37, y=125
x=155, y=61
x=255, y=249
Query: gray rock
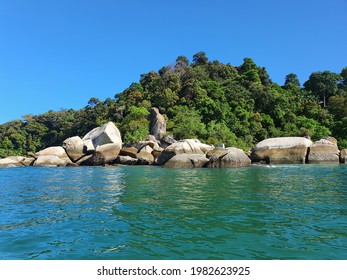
x=157, y=123
x=127, y=160
x=52, y=160
x=226, y=158
x=281, y=150
x=145, y=158
x=131, y=151
x=187, y=161
x=74, y=148
x=324, y=151
x=106, y=134
x=103, y=155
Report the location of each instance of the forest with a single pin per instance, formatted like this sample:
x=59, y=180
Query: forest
x=208, y=100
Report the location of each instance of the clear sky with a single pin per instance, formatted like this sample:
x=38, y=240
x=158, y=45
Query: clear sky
x=58, y=54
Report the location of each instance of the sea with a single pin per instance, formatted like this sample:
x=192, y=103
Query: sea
x=262, y=212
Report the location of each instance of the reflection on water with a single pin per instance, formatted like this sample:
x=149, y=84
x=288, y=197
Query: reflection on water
x=283, y=212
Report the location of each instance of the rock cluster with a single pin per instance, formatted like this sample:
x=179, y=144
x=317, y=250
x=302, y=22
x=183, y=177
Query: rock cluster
x=103, y=146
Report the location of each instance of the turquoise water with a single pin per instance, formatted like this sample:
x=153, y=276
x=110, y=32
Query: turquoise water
x=273, y=212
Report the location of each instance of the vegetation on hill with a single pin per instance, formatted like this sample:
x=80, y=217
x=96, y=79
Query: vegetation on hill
x=209, y=100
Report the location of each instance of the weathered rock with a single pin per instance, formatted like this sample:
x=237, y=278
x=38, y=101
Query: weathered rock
x=157, y=123
x=141, y=144
x=186, y=161
x=187, y=146
x=22, y=161
x=127, y=160
x=131, y=151
x=74, y=148
x=167, y=141
x=52, y=160
x=225, y=158
x=331, y=139
x=8, y=162
x=52, y=151
x=88, y=147
x=147, y=149
x=343, y=156
x=324, y=151
x=145, y=158
x=281, y=150
x=106, y=134
x=103, y=155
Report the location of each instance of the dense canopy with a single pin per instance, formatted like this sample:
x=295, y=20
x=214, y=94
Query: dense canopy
x=214, y=102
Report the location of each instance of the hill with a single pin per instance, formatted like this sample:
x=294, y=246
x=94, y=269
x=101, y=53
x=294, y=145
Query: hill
x=209, y=100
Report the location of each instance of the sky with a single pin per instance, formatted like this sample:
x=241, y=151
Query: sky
x=58, y=54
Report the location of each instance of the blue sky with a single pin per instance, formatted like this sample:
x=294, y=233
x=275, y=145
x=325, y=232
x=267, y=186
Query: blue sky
x=58, y=54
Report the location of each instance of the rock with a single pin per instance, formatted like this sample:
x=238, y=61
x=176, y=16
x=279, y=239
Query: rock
x=127, y=160
x=281, y=150
x=131, y=151
x=167, y=141
x=324, y=151
x=22, y=161
x=141, y=144
x=106, y=134
x=186, y=161
x=145, y=158
x=55, y=150
x=230, y=157
x=88, y=147
x=331, y=139
x=147, y=149
x=52, y=160
x=74, y=148
x=104, y=154
x=157, y=123
x=343, y=156
x=187, y=146
x=9, y=162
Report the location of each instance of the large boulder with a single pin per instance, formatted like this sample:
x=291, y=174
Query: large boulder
x=186, y=161
x=343, y=156
x=104, y=154
x=324, y=151
x=131, y=152
x=157, y=123
x=230, y=157
x=22, y=161
x=281, y=150
x=52, y=156
x=106, y=134
x=127, y=160
x=74, y=148
x=167, y=140
x=186, y=146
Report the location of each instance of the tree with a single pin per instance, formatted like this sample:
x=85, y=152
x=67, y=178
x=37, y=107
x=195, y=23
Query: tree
x=200, y=58
x=323, y=84
x=291, y=80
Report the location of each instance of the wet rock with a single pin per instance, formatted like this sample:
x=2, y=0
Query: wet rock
x=186, y=161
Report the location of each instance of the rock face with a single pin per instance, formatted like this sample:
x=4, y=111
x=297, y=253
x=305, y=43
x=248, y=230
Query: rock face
x=106, y=134
x=186, y=161
x=131, y=152
x=9, y=162
x=187, y=146
x=104, y=154
x=157, y=123
x=225, y=158
x=343, y=156
x=74, y=148
x=281, y=150
x=324, y=151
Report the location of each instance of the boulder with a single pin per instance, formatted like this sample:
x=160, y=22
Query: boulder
x=127, y=160
x=281, y=150
x=74, y=148
x=131, y=151
x=225, y=158
x=141, y=144
x=186, y=161
x=104, y=154
x=157, y=124
x=145, y=158
x=23, y=161
x=147, y=149
x=52, y=160
x=106, y=134
x=167, y=141
x=331, y=139
x=343, y=156
x=88, y=147
x=324, y=151
x=187, y=146
x=52, y=156
x=9, y=162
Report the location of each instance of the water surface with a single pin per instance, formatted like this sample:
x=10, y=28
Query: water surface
x=146, y=212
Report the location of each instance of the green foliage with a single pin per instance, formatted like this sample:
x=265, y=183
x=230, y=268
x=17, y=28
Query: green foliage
x=215, y=102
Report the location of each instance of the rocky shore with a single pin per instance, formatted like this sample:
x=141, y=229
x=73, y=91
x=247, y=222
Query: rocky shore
x=103, y=146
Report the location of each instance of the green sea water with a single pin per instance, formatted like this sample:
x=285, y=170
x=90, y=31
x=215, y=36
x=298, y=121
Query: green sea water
x=146, y=212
